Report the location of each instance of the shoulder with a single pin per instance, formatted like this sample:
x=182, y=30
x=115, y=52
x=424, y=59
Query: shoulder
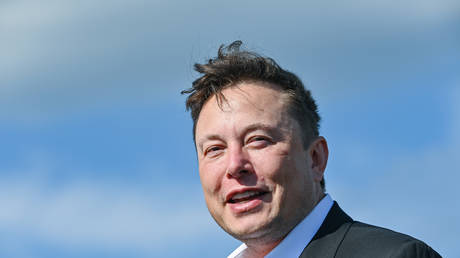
x=364, y=240
x=370, y=233
x=341, y=237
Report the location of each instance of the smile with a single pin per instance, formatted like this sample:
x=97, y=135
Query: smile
x=245, y=196
x=243, y=201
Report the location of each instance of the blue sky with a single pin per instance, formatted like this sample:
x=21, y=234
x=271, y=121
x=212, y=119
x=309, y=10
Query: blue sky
x=96, y=153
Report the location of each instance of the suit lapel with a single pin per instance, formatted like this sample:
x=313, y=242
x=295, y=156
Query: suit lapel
x=329, y=236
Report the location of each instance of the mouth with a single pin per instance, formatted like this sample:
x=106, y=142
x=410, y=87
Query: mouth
x=246, y=201
x=246, y=196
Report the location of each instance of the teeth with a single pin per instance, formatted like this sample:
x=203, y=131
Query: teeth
x=245, y=195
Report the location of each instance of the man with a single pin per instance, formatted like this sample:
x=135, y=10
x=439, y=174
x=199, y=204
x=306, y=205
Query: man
x=261, y=162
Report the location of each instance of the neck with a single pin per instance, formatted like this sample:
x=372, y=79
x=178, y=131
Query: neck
x=256, y=250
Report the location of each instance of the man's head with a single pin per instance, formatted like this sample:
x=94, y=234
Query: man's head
x=232, y=66
x=260, y=157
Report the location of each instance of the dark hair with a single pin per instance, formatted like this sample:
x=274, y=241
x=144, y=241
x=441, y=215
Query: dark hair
x=233, y=66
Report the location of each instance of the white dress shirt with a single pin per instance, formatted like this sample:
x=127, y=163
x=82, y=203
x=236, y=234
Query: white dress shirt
x=294, y=243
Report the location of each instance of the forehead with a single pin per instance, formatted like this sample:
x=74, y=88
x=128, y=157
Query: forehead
x=241, y=104
x=256, y=96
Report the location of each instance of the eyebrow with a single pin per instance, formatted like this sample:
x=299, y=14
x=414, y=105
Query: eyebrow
x=248, y=129
x=258, y=126
x=208, y=138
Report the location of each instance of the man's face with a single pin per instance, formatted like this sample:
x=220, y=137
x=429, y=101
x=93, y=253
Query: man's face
x=258, y=179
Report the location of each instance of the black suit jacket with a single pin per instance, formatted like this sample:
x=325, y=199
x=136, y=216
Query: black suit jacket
x=340, y=236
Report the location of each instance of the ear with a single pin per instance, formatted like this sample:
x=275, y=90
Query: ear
x=318, y=154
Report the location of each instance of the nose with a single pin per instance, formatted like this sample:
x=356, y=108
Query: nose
x=238, y=163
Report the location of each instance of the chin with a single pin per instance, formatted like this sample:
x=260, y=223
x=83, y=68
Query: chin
x=249, y=228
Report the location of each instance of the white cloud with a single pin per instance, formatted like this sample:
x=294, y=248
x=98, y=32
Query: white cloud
x=59, y=56
x=101, y=215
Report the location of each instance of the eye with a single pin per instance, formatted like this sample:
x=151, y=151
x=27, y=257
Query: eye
x=258, y=138
x=258, y=141
x=213, y=151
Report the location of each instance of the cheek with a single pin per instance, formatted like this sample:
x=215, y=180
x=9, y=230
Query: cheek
x=281, y=170
x=210, y=178
x=269, y=167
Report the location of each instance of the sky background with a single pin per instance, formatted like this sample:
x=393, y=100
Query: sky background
x=96, y=149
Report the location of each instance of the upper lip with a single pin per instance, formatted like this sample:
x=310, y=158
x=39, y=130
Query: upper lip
x=234, y=192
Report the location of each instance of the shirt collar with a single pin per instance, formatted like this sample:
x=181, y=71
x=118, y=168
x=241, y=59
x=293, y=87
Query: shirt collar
x=294, y=243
